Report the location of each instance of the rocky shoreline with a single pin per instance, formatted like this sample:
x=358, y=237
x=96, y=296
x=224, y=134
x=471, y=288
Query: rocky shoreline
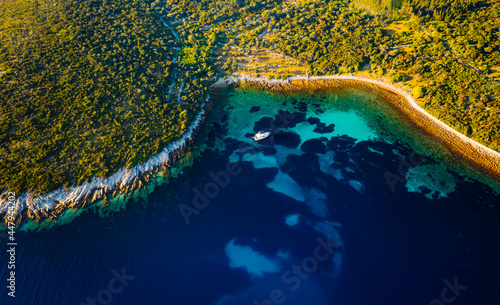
x=476, y=155
x=126, y=181
x=123, y=182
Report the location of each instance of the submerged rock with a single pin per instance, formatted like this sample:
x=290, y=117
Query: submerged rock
x=341, y=143
x=263, y=123
x=320, y=127
x=287, y=139
x=313, y=121
x=286, y=119
x=314, y=146
x=254, y=109
x=323, y=128
x=269, y=151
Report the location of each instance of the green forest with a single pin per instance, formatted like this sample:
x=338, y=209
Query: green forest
x=90, y=86
x=84, y=91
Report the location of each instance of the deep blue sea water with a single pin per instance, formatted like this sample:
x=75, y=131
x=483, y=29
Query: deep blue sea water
x=304, y=217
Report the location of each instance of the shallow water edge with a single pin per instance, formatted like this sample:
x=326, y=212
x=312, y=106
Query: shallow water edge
x=62, y=206
x=460, y=151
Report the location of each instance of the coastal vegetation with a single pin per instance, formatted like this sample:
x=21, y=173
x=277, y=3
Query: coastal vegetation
x=90, y=86
x=84, y=91
x=442, y=51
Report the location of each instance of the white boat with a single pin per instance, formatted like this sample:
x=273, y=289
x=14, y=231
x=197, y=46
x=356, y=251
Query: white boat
x=261, y=135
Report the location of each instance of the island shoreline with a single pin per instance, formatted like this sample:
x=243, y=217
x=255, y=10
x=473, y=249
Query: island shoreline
x=475, y=154
x=125, y=181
